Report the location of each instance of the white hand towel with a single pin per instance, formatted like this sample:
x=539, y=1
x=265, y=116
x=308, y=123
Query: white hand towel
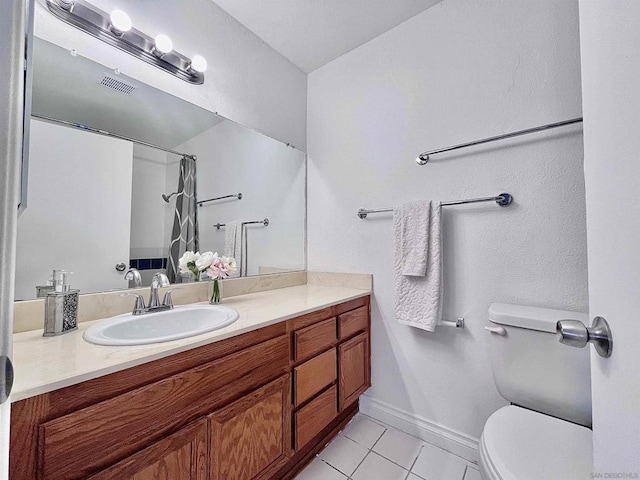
x=233, y=245
x=418, y=298
x=414, y=231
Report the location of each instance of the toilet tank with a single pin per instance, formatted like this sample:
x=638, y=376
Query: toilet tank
x=532, y=369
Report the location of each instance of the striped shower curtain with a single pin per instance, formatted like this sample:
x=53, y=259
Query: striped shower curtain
x=184, y=236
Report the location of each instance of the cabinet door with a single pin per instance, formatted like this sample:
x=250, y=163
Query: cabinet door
x=250, y=437
x=182, y=456
x=355, y=370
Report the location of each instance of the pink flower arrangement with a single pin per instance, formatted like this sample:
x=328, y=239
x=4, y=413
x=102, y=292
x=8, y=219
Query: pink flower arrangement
x=221, y=267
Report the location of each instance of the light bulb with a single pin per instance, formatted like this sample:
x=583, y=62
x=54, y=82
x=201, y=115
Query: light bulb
x=163, y=43
x=120, y=22
x=199, y=64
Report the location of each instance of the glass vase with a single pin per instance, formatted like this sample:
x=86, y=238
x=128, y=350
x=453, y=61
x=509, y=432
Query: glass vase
x=216, y=295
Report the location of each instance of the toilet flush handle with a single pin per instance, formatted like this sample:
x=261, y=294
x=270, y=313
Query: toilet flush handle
x=497, y=330
x=575, y=334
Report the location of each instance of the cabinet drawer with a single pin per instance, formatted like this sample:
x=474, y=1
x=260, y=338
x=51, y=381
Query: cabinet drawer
x=354, y=321
x=314, y=339
x=313, y=417
x=314, y=375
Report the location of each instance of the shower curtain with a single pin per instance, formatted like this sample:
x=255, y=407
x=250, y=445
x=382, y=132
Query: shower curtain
x=184, y=235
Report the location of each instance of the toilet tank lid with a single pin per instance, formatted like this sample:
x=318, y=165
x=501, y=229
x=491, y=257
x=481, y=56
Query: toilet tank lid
x=532, y=318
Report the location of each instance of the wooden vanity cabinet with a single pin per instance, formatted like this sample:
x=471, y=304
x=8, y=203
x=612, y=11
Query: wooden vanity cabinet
x=257, y=406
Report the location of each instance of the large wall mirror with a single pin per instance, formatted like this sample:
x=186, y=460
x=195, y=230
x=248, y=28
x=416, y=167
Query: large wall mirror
x=99, y=204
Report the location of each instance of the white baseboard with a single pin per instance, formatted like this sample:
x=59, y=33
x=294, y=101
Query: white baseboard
x=448, y=439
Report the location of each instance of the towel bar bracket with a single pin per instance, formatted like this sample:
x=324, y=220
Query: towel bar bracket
x=458, y=323
x=504, y=199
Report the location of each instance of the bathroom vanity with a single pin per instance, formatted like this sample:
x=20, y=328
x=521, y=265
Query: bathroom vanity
x=256, y=405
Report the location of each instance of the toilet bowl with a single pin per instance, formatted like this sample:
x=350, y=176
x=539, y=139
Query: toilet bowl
x=519, y=444
x=544, y=434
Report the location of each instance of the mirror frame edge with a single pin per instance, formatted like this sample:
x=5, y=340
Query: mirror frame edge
x=28, y=95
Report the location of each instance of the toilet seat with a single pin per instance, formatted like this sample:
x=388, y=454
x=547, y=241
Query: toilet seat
x=519, y=444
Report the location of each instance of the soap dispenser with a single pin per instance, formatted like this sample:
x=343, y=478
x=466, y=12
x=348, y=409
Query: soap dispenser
x=42, y=290
x=61, y=306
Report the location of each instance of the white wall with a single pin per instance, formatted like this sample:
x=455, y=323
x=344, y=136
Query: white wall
x=271, y=178
x=460, y=71
x=77, y=219
x=149, y=230
x=247, y=80
x=611, y=97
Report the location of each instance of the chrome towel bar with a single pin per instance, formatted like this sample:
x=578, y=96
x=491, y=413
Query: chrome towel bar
x=503, y=200
x=423, y=158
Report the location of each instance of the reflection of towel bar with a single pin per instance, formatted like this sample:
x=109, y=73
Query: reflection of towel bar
x=235, y=195
x=458, y=323
x=265, y=222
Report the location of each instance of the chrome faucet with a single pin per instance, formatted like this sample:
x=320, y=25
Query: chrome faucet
x=159, y=280
x=134, y=274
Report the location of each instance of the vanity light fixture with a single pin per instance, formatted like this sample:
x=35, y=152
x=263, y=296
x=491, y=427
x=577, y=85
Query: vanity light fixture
x=117, y=30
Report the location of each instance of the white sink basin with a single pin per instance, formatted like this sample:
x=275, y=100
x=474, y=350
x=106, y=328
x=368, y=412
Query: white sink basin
x=181, y=322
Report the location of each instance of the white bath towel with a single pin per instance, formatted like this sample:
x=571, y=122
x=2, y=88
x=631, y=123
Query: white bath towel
x=418, y=264
x=235, y=245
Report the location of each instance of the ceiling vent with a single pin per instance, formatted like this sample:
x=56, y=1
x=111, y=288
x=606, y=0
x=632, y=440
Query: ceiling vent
x=116, y=84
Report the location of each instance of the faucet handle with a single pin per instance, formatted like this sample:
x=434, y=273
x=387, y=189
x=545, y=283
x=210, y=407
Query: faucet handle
x=139, y=306
x=167, y=301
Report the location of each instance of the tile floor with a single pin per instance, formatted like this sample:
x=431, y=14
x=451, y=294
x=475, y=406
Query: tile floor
x=370, y=450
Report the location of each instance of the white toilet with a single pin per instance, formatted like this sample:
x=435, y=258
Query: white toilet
x=544, y=434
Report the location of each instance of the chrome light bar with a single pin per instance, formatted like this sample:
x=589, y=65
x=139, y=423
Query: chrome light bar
x=117, y=30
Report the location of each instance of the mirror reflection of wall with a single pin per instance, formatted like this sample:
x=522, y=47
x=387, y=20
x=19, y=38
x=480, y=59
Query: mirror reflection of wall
x=271, y=178
x=79, y=212
x=97, y=201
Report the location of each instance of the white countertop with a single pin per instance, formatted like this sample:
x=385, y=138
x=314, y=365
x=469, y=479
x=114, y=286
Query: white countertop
x=43, y=364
